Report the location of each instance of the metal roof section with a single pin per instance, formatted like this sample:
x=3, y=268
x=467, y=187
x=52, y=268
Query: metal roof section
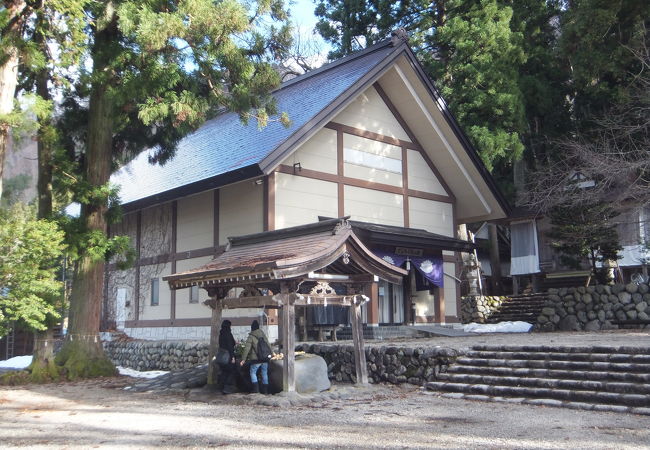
x=224, y=145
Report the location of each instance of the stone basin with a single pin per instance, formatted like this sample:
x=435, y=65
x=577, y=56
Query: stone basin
x=310, y=371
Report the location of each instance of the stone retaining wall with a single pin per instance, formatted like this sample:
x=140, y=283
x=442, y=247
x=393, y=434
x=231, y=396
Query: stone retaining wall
x=157, y=355
x=385, y=363
x=477, y=308
x=594, y=308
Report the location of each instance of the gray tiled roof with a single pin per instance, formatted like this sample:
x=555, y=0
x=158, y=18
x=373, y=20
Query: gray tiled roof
x=224, y=144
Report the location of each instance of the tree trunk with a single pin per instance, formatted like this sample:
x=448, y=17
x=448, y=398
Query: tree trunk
x=43, y=367
x=82, y=354
x=9, y=73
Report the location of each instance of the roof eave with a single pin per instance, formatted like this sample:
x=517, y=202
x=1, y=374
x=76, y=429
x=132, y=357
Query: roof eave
x=460, y=134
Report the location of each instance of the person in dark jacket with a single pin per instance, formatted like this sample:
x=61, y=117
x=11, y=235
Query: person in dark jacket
x=229, y=370
x=250, y=355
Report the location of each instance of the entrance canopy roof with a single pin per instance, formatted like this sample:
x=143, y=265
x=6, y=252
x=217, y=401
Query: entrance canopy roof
x=328, y=248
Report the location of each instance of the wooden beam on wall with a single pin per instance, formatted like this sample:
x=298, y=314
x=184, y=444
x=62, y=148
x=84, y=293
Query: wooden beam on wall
x=174, y=238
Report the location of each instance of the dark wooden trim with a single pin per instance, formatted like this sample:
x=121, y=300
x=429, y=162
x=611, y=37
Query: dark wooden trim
x=451, y=319
x=215, y=217
x=359, y=132
x=269, y=202
x=138, y=237
x=437, y=174
x=429, y=196
x=395, y=112
x=180, y=256
x=449, y=258
x=411, y=136
x=405, y=186
x=460, y=135
x=172, y=303
x=324, y=176
x=198, y=322
x=319, y=120
x=340, y=169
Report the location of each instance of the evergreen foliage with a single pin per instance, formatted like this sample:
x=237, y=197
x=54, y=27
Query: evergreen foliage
x=585, y=233
x=30, y=251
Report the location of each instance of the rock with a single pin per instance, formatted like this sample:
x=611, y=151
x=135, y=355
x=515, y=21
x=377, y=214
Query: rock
x=632, y=314
x=632, y=288
x=641, y=306
x=592, y=325
x=620, y=315
x=587, y=298
x=548, y=326
x=643, y=316
x=582, y=316
x=569, y=323
x=542, y=319
x=625, y=297
x=644, y=288
x=591, y=315
x=548, y=311
x=602, y=315
x=310, y=373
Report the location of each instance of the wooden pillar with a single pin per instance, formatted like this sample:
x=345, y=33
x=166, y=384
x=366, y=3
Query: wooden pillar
x=288, y=340
x=357, y=337
x=373, y=305
x=215, y=323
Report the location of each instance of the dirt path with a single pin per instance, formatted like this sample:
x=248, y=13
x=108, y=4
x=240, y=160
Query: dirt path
x=99, y=413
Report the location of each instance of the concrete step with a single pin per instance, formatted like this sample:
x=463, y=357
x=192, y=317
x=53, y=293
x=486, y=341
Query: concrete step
x=546, y=402
x=562, y=349
x=563, y=365
x=551, y=373
x=637, y=400
x=558, y=356
x=551, y=383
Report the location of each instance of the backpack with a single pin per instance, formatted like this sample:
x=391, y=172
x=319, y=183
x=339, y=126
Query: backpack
x=263, y=350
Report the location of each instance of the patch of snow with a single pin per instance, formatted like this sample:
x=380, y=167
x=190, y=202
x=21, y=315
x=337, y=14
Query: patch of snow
x=134, y=373
x=502, y=327
x=17, y=362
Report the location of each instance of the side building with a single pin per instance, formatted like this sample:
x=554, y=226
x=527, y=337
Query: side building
x=370, y=139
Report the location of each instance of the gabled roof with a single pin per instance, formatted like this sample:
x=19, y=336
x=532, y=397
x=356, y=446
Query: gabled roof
x=289, y=253
x=224, y=151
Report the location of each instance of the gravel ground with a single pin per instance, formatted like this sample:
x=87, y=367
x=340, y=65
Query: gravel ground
x=99, y=413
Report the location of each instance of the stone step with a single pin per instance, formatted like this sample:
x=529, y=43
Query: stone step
x=551, y=373
x=563, y=365
x=557, y=356
x=549, y=402
x=551, y=383
x=637, y=400
x=562, y=349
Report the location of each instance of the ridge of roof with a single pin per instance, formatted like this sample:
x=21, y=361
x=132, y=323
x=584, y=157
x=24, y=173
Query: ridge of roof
x=333, y=64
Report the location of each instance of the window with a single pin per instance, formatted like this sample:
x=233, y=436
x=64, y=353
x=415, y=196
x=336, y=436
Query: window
x=194, y=294
x=155, y=291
